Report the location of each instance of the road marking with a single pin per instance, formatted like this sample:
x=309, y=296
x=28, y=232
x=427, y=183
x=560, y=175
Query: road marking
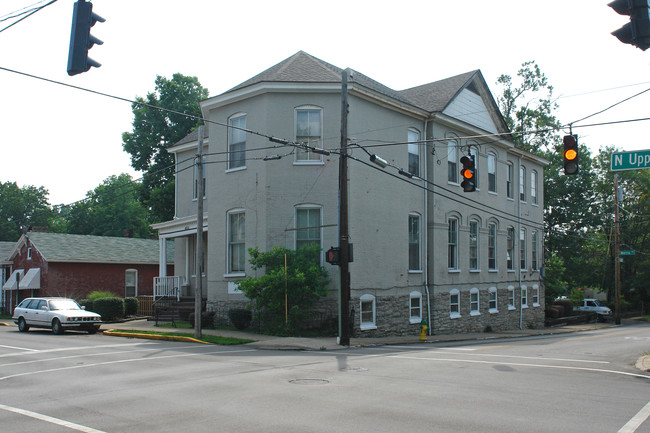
x=636, y=420
x=65, y=349
x=50, y=419
x=18, y=348
x=518, y=364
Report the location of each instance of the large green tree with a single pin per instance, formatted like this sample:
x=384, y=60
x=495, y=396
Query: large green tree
x=22, y=207
x=161, y=119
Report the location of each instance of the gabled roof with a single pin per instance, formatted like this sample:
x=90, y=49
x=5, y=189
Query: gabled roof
x=59, y=247
x=434, y=97
x=5, y=251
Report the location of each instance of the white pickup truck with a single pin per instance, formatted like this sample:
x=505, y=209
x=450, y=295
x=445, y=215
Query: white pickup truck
x=593, y=305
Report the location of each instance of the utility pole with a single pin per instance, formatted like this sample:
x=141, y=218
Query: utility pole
x=344, y=248
x=198, y=293
x=617, y=253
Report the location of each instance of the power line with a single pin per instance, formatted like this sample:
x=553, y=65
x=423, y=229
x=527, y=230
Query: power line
x=29, y=13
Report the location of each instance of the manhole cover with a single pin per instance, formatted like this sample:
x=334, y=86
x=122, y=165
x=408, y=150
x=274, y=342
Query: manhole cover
x=309, y=381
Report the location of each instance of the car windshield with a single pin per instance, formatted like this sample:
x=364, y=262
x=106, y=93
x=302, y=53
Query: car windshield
x=64, y=304
x=596, y=303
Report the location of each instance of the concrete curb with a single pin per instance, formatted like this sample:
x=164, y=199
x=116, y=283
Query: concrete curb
x=114, y=333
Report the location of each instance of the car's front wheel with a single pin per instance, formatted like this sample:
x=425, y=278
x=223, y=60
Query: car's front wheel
x=57, y=328
x=22, y=325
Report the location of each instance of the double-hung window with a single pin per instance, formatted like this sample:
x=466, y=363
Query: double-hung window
x=492, y=172
x=522, y=183
x=474, y=307
x=236, y=242
x=493, y=305
x=511, y=298
x=414, y=151
x=308, y=226
x=237, y=142
x=510, y=249
x=452, y=164
x=533, y=187
x=492, y=246
x=452, y=244
x=473, y=245
x=415, y=307
x=309, y=133
x=510, y=176
x=414, y=243
x=522, y=249
x=454, y=303
x=367, y=309
x=533, y=247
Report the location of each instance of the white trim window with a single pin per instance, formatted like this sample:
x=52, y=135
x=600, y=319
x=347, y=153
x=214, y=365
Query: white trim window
x=493, y=304
x=473, y=245
x=492, y=246
x=195, y=193
x=474, y=298
x=522, y=249
x=308, y=226
x=309, y=131
x=492, y=172
x=452, y=244
x=511, y=298
x=236, y=242
x=454, y=303
x=452, y=162
x=510, y=249
x=414, y=243
x=413, y=139
x=522, y=183
x=367, y=315
x=510, y=174
x=533, y=250
x=535, y=295
x=131, y=283
x=237, y=142
x=533, y=187
x=415, y=307
x=524, y=297
x=29, y=253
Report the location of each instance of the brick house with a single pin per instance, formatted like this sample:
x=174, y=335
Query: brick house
x=55, y=264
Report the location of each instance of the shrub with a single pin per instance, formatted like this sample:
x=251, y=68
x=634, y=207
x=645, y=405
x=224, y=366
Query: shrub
x=240, y=317
x=89, y=304
x=567, y=306
x=109, y=308
x=99, y=294
x=554, y=311
x=130, y=306
x=207, y=319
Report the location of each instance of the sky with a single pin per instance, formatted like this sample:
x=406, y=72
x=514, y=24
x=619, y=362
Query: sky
x=70, y=141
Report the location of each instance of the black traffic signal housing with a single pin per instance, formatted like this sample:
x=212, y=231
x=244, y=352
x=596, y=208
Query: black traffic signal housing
x=81, y=40
x=637, y=31
x=570, y=154
x=468, y=172
x=333, y=256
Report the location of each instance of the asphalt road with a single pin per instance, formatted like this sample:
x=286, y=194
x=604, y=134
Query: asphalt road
x=94, y=383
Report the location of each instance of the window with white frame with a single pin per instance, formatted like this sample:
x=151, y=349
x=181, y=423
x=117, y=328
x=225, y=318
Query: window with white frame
x=414, y=243
x=511, y=298
x=131, y=283
x=237, y=141
x=522, y=249
x=236, y=242
x=524, y=297
x=452, y=244
x=522, y=183
x=510, y=177
x=533, y=247
x=195, y=193
x=474, y=152
x=454, y=303
x=535, y=294
x=493, y=304
x=308, y=226
x=492, y=172
x=367, y=309
x=415, y=307
x=414, y=151
x=492, y=246
x=452, y=162
x=309, y=131
x=533, y=187
x=29, y=253
x=474, y=307
x=510, y=249
x=473, y=245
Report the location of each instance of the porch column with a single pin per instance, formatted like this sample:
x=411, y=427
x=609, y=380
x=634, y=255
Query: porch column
x=162, y=260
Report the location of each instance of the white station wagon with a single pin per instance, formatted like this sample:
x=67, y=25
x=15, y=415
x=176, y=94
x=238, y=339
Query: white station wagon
x=59, y=314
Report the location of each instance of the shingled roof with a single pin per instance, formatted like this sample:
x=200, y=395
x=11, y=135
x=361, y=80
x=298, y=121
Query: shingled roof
x=59, y=247
x=5, y=251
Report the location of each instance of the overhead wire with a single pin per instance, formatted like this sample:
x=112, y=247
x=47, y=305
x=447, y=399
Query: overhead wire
x=29, y=13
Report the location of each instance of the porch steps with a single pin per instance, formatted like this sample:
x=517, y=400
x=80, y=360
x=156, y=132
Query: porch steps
x=171, y=310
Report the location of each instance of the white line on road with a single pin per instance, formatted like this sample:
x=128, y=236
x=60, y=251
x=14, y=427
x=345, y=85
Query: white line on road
x=18, y=348
x=50, y=419
x=636, y=420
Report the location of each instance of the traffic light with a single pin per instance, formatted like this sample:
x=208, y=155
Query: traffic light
x=637, y=31
x=333, y=256
x=81, y=40
x=468, y=173
x=570, y=154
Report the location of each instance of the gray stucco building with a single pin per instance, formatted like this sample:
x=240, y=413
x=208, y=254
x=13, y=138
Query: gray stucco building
x=423, y=248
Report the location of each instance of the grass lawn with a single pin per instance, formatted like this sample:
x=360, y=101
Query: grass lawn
x=212, y=339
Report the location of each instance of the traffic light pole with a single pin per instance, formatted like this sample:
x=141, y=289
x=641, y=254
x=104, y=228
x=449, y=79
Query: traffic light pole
x=198, y=293
x=617, y=254
x=344, y=291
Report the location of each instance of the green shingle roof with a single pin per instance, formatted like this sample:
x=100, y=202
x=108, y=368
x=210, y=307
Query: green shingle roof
x=58, y=247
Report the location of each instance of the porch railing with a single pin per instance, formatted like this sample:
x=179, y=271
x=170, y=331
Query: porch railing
x=168, y=287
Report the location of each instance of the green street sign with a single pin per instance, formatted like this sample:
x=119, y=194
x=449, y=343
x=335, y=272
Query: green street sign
x=630, y=160
x=627, y=252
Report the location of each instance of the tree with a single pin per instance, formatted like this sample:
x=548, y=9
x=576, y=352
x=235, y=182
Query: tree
x=303, y=284
x=109, y=210
x=160, y=120
x=21, y=208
